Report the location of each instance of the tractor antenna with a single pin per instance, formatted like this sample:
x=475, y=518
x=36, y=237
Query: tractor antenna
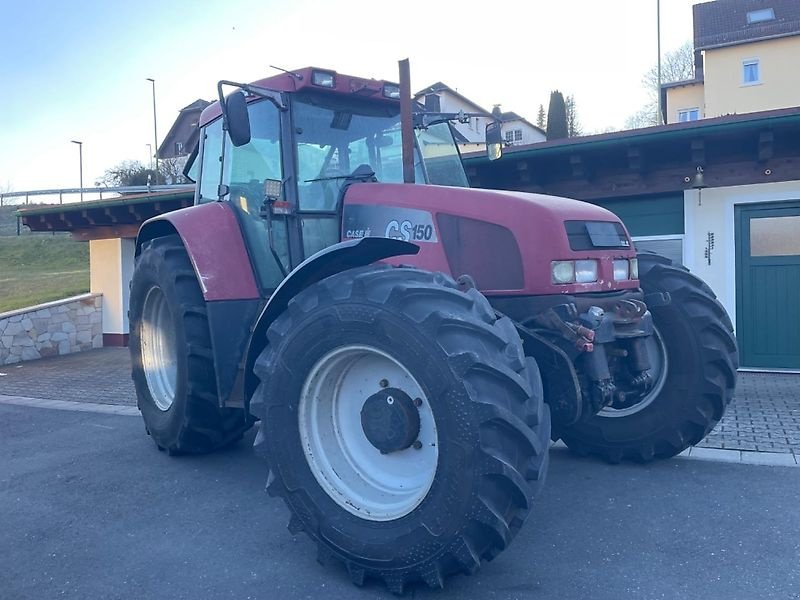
x=297, y=76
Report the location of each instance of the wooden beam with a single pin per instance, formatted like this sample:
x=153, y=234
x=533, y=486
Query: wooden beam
x=106, y=233
x=698, y=152
x=766, y=149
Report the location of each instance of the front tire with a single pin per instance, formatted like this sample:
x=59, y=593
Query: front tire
x=399, y=507
x=172, y=363
x=695, y=378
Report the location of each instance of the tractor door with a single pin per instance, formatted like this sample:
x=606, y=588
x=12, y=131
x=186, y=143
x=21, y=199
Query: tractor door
x=335, y=138
x=245, y=170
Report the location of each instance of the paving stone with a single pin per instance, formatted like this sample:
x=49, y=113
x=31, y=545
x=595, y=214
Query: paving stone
x=769, y=458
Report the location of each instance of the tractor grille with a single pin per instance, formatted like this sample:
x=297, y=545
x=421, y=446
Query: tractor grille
x=485, y=251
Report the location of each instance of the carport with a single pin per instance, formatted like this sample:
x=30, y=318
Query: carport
x=110, y=227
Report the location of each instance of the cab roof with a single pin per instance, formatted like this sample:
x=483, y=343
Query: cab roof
x=300, y=80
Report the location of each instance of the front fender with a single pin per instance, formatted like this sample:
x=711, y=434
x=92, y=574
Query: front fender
x=213, y=240
x=334, y=259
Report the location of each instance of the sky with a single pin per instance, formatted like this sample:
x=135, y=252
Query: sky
x=78, y=69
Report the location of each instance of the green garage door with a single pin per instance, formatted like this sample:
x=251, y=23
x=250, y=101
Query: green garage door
x=768, y=285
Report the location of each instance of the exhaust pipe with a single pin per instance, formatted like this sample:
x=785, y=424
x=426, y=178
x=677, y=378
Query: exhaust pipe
x=406, y=124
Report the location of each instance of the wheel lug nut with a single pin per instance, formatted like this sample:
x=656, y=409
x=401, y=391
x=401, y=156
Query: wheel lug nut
x=418, y=402
x=384, y=383
x=417, y=445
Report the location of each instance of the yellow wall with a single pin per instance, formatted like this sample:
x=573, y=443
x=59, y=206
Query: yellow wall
x=110, y=271
x=780, y=77
x=686, y=96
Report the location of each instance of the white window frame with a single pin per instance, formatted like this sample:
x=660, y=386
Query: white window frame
x=664, y=238
x=688, y=111
x=749, y=62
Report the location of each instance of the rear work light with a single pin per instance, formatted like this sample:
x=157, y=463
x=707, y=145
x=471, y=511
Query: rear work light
x=391, y=90
x=323, y=79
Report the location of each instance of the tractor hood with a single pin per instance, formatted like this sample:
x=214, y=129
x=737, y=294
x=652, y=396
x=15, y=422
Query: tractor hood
x=506, y=241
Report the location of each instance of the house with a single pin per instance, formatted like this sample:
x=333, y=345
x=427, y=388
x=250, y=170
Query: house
x=720, y=195
x=182, y=136
x=745, y=61
x=471, y=136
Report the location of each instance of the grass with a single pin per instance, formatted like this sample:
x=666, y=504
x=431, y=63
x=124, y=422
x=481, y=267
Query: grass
x=39, y=267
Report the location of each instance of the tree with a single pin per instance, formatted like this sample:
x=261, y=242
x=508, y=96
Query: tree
x=133, y=172
x=541, y=118
x=677, y=65
x=573, y=124
x=557, y=117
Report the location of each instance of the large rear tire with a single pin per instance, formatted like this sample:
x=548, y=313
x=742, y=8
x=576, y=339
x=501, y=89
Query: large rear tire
x=695, y=375
x=172, y=363
x=463, y=450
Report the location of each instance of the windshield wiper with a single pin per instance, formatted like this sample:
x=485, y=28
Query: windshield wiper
x=361, y=173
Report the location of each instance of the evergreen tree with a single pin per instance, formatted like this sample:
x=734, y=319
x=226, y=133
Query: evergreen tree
x=541, y=118
x=557, y=117
x=573, y=124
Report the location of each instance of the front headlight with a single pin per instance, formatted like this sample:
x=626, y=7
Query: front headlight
x=562, y=271
x=621, y=268
x=634, y=268
x=585, y=271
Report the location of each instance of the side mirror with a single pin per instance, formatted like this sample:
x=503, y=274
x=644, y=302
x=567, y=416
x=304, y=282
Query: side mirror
x=237, y=119
x=494, y=140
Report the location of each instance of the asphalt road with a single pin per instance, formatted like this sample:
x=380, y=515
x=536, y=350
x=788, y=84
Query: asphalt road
x=89, y=509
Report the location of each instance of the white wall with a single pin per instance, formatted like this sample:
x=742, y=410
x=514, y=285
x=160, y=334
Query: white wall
x=712, y=210
x=111, y=268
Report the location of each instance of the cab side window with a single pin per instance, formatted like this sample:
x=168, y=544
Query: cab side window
x=212, y=148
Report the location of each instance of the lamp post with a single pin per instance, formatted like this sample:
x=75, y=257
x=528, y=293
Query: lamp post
x=659, y=119
x=80, y=163
x=150, y=154
x=155, y=129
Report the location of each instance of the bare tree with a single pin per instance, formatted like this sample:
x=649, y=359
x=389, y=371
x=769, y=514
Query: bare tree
x=172, y=169
x=677, y=65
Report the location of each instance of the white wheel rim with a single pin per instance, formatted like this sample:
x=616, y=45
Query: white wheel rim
x=659, y=362
x=159, y=358
x=353, y=472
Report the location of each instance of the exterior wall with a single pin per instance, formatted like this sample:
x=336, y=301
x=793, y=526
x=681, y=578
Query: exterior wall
x=529, y=134
x=110, y=272
x=62, y=327
x=475, y=130
x=686, y=96
x=712, y=211
x=780, y=77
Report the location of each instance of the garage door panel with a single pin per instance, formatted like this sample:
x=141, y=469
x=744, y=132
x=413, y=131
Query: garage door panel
x=768, y=285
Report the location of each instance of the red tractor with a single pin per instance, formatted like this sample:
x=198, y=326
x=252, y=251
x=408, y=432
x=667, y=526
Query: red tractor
x=403, y=348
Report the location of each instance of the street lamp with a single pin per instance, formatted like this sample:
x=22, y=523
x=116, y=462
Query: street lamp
x=150, y=154
x=80, y=163
x=155, y=129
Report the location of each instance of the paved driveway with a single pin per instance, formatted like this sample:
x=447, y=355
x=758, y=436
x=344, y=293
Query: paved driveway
x=89, y=509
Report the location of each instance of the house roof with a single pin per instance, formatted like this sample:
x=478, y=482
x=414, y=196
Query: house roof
x=441, y=87
x=725, y=22
x=198, y=104
x=687, y=129
x=512, y=116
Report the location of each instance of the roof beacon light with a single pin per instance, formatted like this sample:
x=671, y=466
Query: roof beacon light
x=323, y=79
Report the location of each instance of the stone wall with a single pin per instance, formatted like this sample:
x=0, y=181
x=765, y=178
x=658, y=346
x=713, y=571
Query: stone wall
x=60, y=327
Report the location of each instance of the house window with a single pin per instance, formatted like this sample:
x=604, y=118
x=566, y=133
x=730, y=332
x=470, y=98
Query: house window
x=758, y=16
x=513, y=136
x=688, y=114
x=178, y=147
x=751, y=72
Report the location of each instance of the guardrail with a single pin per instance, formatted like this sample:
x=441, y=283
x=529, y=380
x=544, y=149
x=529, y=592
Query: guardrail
x=62, y=195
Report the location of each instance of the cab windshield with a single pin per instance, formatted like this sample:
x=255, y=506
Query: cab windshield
x=336, y=137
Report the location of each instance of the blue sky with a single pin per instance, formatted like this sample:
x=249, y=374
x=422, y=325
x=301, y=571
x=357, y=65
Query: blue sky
x=77, y=69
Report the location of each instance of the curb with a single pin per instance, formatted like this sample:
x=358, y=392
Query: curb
x=109, y=409
x=742, y=457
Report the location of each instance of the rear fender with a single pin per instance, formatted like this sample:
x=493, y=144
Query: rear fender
x=214, y=243
x=334, y=259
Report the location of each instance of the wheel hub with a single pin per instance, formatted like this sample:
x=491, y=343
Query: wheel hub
x=390, y=420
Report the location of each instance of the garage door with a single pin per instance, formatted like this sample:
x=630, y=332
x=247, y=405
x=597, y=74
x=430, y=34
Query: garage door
x=768, y=285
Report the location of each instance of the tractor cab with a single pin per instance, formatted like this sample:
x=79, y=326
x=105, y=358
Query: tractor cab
x=308, y=145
